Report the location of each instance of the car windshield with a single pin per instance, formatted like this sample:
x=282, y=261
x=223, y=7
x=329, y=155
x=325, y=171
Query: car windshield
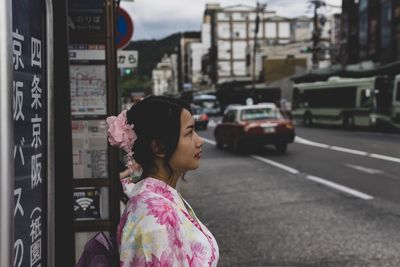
x=260, y=114
x=197, y=110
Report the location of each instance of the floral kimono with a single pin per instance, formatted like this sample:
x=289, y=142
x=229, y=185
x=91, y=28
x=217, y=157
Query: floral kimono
x=159, y=228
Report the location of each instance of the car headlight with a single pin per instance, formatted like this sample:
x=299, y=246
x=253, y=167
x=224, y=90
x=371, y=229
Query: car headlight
x=289, y=125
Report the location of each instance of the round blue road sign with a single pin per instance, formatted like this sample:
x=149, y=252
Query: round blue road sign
x=124, y=29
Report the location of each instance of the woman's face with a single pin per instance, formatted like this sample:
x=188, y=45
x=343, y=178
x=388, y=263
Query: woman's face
x=188, y=151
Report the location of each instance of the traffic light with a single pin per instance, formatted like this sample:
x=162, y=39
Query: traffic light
x=305, y=50
x=127, y=71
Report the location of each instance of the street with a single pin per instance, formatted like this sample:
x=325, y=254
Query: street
x=331, y=200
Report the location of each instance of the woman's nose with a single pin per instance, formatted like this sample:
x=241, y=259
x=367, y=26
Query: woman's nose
x=200, y=141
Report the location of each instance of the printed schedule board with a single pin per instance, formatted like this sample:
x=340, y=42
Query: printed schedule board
x=30, y=128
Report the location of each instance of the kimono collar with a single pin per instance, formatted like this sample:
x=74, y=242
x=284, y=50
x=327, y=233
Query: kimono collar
x=161, y=188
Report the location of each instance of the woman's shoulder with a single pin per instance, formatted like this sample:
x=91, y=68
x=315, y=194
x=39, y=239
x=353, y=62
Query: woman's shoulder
x=153, y=190
x=153, y=212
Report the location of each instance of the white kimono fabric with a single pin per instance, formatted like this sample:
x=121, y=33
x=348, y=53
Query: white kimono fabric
x=158, y=228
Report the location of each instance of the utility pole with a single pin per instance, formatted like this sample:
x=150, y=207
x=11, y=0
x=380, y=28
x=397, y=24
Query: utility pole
x=316, y=35
x=260, y=8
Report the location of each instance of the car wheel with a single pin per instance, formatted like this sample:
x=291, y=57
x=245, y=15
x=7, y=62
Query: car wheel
x=281, y=148
x=238, y=145
x=218, y=143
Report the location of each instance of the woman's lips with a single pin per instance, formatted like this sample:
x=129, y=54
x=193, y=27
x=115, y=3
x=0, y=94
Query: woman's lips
x=198, y=155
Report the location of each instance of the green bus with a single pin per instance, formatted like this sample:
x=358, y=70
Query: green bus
x=372, y=101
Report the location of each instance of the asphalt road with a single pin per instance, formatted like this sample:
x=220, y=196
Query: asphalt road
x=331, y=200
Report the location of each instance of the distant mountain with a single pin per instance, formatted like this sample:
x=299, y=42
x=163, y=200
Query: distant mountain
x=151, y=51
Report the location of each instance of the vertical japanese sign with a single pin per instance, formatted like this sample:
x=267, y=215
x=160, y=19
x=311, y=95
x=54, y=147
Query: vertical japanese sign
x=30, y=132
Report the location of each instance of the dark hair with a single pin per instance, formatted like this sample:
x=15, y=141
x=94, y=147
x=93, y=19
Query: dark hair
x=156, y=118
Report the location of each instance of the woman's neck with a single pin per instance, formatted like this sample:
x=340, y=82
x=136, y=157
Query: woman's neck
x=171, y=180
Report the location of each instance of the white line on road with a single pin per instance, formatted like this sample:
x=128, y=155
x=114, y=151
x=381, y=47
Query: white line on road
x=276, y=164
x=348, y=150
x=378, y=156
x=303, y=141
x=365, y=169
x=211, y=142
x=310, y=177
x=308, y=142
x=339, y=187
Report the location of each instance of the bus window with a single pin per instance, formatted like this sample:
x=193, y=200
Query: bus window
x=335, y=97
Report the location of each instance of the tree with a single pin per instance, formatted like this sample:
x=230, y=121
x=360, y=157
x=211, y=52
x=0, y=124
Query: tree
x=134, y=83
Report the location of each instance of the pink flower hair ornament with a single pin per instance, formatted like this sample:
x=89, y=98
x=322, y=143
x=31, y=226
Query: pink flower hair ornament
x=121, y=134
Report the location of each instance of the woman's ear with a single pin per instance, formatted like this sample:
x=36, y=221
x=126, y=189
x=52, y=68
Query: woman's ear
x=157, y=148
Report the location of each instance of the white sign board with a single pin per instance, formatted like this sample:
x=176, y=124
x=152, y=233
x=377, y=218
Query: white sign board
x=127, y=58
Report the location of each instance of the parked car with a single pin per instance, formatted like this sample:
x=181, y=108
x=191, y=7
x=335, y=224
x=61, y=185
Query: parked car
x=209, y=103
x=200, y=118
x=243, y=126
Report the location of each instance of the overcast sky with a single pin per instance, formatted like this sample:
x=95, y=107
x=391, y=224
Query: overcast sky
x=155, y=19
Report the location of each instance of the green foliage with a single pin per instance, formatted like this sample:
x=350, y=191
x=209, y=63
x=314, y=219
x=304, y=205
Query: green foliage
x=134, y=83
x=151, y=51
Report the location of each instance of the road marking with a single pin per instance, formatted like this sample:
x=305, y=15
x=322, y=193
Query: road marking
x=208, y=141
x=309, y=177
x=308, y=142
x=276, y=164
x=339, y=187
x=348, y=150
x=303, y=141
x=273, y=163
x=365, y=169
x=378, y=156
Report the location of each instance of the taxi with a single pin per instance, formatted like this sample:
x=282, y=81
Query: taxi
x=244, y=126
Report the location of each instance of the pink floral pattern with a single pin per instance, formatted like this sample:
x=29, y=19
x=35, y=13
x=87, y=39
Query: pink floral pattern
x=162, y=189
x=155, y=230
x=163, y=212
x=120, y=133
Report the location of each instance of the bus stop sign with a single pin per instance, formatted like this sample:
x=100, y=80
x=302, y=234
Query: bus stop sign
x=124, y=29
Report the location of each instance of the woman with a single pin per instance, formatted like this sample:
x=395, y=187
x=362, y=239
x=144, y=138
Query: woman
x=158, y=227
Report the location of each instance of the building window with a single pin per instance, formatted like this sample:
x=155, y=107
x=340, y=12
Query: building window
x=224, y=30
x=284, y=30
x=386, y=25
x=363, y=37
x=363, y=5
x=270, y=30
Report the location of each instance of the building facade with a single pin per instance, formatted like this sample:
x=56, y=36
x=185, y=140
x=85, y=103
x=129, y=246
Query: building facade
x=195, y=75
x=184, y=60
x=370, y=31
x=232, y=31
x=165, y=76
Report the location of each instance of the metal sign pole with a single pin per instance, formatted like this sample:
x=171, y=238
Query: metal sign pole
x=50, y=138
x=6, y=137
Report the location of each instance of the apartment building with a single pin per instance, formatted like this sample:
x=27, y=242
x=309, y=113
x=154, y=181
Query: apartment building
x=370, y=31
x=165, y=76
x=232, y=31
